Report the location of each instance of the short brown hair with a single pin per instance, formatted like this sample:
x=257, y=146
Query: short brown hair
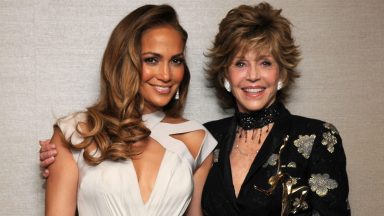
x=245, y=27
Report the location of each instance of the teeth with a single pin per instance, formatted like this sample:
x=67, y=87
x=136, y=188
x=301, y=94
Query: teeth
x=163, y=89
x=253, y=90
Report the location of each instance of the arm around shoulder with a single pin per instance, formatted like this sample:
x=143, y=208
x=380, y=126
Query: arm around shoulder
x=61, y=187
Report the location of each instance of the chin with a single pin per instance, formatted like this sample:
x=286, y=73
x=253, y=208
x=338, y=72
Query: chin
x=253, y=106
x=163, y=103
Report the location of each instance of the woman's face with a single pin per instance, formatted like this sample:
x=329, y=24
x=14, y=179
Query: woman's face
x=253, y=76
x=162, y=56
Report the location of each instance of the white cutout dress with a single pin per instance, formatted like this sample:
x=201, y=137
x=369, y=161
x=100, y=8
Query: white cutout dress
x=111, y=188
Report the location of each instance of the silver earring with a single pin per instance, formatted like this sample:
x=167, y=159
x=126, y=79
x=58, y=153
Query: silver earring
x=227, y=86
x=279, y=85
x=177, y=95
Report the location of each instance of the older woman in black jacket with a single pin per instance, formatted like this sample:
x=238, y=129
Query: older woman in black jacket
x=268, y=161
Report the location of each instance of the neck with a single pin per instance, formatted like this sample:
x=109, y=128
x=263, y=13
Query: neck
x=148, y=110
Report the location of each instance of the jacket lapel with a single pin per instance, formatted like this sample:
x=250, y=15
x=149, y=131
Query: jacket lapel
x=225, y=150
x=273, y=141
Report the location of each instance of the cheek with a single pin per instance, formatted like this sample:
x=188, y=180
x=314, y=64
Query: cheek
x=272, y=76
x=178, y=75
x=236, y=76
x=145, y=73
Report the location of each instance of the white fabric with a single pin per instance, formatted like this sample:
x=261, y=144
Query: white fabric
x=111, y=188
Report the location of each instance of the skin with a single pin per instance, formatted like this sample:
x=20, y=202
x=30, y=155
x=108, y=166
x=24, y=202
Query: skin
x=163, y=70
x=253, y=76
x=163, y=66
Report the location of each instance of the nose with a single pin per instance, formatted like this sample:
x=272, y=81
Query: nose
x=164, y=73
x=253, y=74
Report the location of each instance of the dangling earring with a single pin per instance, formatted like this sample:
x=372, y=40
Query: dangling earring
x=227, y=86
x=279, y=85
x=177, y=95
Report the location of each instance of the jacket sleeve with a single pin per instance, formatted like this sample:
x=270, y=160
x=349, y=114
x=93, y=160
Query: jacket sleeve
x=327, y=177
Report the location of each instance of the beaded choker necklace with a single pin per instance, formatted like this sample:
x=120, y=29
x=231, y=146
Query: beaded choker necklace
x=256, y=120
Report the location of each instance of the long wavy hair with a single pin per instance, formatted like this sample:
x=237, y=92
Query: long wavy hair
x=114, y=123
x=259, y=27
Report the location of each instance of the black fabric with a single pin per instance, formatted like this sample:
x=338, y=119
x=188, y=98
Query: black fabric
x=257, y=119
x=219, y=195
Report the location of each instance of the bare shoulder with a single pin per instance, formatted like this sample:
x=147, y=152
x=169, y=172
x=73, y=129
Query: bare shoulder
x=61, y=186
x=59, y=139
x=72, y=128
x=64, y=156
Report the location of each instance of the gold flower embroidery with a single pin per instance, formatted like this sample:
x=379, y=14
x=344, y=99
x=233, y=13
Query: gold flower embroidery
x=331, y=127
x=272, y=160
x=329, y=140
x=291, y=164
x=297, y=203
x=304, y=144
x=321, y=184
x=294, y=180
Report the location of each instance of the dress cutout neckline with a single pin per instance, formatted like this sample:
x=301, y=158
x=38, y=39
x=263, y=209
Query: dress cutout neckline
x=150, y=121
x=154, y=186
x=112, y=187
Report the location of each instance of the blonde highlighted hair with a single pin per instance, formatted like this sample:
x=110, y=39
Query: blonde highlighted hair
x=114, y=123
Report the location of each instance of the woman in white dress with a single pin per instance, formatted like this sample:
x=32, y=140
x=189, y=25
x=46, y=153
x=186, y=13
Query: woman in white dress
x=132, y=153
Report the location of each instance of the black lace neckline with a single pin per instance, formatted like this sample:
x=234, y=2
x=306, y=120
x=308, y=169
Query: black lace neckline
x=257, y=119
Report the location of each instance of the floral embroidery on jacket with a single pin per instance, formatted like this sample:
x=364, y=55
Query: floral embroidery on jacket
x=272, y=160
x=291, y=164
x=301, y=204
x=321, y=184
x=329, y=140
x=304, y=144
x=331, y=127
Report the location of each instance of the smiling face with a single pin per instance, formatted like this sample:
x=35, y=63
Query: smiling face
x=162, y=57
x=253, y=77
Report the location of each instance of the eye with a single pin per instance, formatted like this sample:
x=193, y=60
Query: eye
x=151, y=60
x=266, y=63
x=240, y=64
x=178, y=61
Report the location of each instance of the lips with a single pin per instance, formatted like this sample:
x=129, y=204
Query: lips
x=162, y=89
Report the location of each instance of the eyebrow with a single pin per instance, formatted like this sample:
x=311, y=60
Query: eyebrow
x=264, y=56
x=151, y=53
x=257, y=57
x=159, y=55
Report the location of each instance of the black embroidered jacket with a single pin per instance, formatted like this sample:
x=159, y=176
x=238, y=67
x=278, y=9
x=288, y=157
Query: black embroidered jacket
x=313, y=157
